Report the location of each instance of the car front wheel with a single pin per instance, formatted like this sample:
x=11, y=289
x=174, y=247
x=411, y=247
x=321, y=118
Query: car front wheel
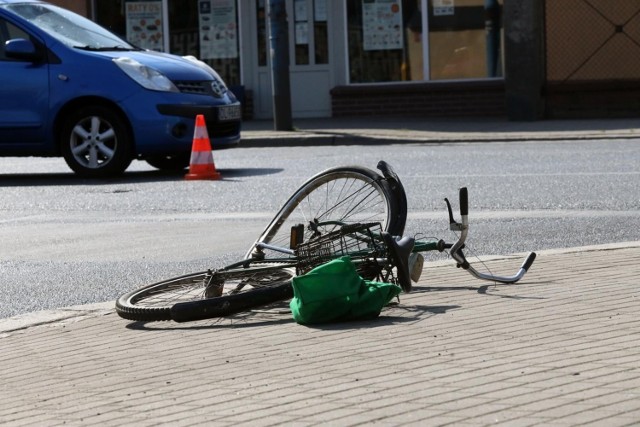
x=96, y=142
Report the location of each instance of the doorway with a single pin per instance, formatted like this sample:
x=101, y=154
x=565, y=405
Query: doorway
x=311, y=77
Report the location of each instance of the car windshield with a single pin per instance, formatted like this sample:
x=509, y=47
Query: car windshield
x=70, y=28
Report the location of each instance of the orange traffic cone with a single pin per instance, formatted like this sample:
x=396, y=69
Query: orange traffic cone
x=201, y=165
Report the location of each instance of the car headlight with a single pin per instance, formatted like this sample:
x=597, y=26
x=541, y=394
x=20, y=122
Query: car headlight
x=145, y=76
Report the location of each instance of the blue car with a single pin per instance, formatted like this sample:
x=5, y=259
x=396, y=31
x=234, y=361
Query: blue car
x=70, y=88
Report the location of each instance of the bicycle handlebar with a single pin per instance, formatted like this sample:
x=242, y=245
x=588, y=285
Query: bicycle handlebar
x=458, y=255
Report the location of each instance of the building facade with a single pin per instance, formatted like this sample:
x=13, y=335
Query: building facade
x=525, y=59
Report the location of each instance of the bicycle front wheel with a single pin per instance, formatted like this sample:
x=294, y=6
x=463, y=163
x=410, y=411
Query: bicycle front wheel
x=329, y=200
x=154, y=302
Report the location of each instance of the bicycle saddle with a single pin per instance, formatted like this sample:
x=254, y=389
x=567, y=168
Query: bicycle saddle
x=399, y=250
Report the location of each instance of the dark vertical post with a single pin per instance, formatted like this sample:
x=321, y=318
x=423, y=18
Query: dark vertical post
x=492, y=28
x=279, y=41
x=524, y=59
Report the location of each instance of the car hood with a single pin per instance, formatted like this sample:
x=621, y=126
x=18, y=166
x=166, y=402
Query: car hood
x=173, y=66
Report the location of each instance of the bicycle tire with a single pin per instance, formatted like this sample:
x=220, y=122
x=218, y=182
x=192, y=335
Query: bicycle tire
x=228, y=305
x=154, y=302
x=335, y=197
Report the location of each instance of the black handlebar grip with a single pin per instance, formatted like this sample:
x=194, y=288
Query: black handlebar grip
x=464, y=201
x=529, y=261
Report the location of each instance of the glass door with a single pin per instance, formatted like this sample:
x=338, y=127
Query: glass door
x=309, y=58
x=311, y=39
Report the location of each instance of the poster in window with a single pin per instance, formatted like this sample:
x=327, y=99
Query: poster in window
x=302, y=33
x=443, y=7
x=382, y=24
x=300, y=10
x=144, y=24
x=320, y=10
x=218, y=29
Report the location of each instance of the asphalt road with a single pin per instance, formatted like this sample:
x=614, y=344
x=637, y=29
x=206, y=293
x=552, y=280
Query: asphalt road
x=67, y=241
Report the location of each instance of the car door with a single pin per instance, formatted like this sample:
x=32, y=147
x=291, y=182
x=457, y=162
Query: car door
x=24, y=95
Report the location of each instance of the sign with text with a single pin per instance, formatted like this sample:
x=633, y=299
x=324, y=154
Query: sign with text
x=382, y=24
x=443, y=7
x=144, y=24
x=218, y=29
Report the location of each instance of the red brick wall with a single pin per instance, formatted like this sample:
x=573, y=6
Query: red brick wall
x=79, y=6
x=593, y=99
x=478, y=98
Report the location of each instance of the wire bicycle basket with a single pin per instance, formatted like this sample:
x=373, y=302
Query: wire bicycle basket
x=361, y=242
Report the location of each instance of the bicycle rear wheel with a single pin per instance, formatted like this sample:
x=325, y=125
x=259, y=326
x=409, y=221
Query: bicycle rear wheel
x=154, y=302
x=329, y=200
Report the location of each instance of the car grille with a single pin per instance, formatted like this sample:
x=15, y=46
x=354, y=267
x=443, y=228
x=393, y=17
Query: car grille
x=201, y=87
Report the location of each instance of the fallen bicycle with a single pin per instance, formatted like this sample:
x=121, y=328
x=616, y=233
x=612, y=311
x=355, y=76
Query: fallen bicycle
x=345, y=212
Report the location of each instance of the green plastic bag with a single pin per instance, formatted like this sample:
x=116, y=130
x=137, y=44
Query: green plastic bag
x=335, y=292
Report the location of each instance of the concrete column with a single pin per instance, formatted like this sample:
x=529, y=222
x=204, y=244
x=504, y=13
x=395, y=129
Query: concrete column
x=524, y=59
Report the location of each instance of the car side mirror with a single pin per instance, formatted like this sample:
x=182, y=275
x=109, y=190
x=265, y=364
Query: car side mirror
x=22, y=49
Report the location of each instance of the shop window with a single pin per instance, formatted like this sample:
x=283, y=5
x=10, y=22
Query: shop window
x=301, y=31
x=386, y=40
x=464, y=39
x=320, y=31
x=111, y=15
x=310, y=36
x=379, y=33
x=138, y=22
x=206, y=29
x=310, y=32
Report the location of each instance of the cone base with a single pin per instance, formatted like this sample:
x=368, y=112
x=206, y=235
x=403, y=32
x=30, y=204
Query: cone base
x=208, y=177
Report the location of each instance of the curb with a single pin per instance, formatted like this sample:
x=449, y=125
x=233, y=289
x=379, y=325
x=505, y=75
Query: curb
x=79, y=312
x=319, y=138
x=49, y=317
x=388, y=130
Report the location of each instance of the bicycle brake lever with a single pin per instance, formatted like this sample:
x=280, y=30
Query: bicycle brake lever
x=464, y=211
x=451, y=220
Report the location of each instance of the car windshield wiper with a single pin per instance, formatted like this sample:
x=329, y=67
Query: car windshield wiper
x=105, y=48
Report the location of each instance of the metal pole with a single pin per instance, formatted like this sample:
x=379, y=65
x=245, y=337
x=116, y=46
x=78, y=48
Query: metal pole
x=492, y=28
x=279, y=40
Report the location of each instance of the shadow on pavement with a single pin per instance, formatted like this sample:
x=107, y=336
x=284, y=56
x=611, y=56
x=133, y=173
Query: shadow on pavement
x=234, y=322
x=484, y=290
x=63, y=178
x=392, y=315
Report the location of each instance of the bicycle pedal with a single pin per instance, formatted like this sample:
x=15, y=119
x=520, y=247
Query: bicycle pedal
x=416, y=262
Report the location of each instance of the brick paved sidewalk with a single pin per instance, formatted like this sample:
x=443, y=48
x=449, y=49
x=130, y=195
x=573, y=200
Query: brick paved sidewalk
x=560, y=348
